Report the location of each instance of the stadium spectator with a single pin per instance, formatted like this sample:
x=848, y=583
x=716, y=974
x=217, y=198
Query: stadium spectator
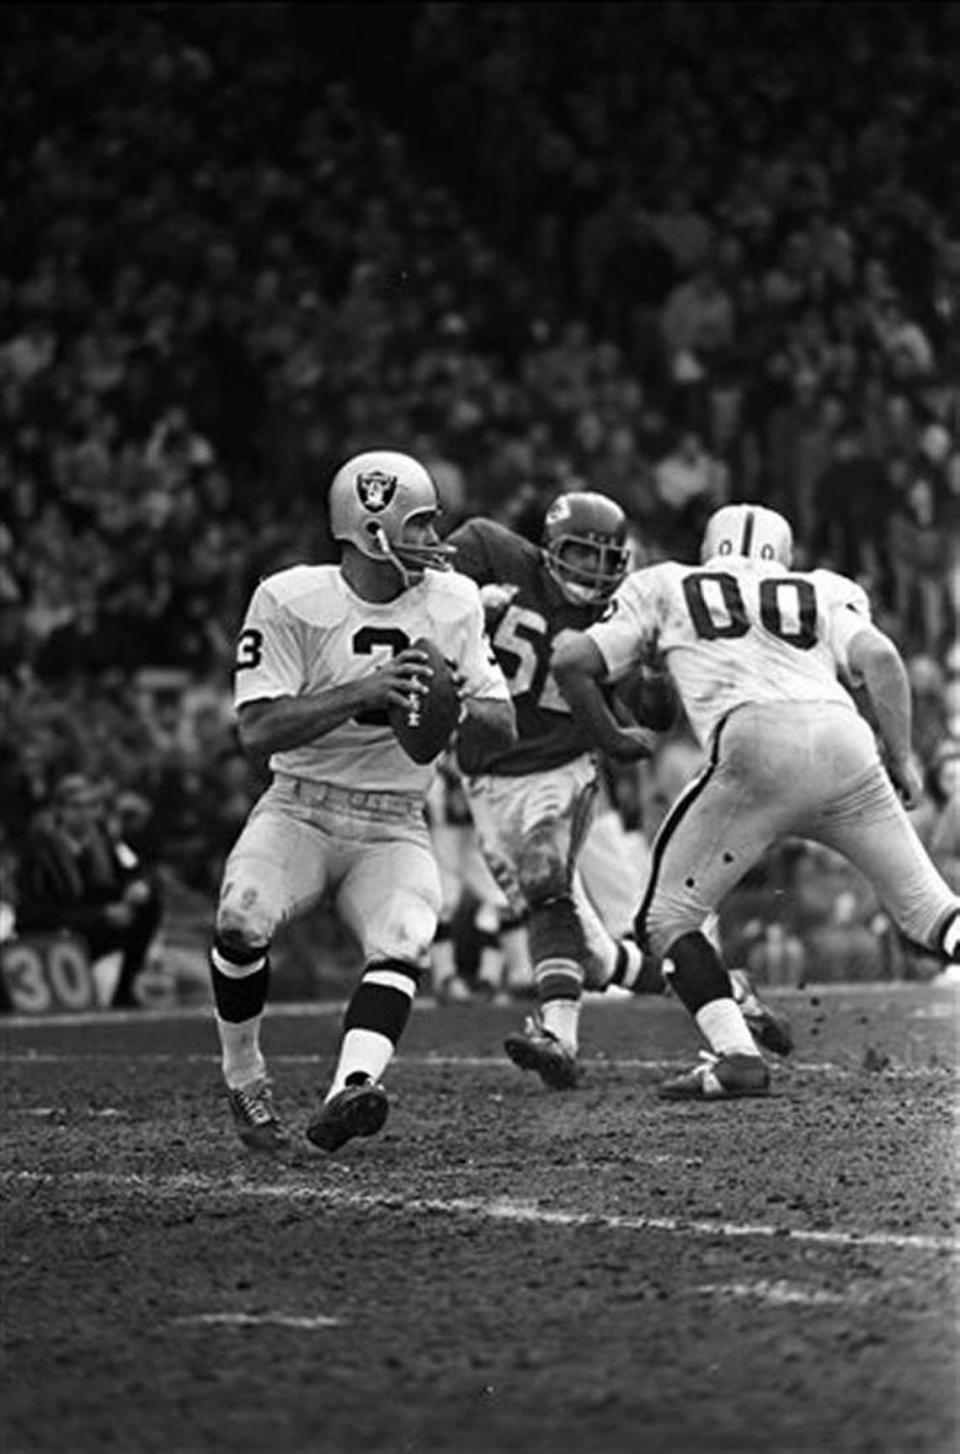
x=346, y=289
x=75, y=873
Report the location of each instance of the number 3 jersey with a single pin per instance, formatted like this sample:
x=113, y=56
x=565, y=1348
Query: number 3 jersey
x=548, y=736
x=736, y=630
x=306, y=631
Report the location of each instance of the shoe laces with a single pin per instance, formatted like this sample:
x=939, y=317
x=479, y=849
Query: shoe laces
x=535, y=1029
x=256, y=1103
x=706, y=1060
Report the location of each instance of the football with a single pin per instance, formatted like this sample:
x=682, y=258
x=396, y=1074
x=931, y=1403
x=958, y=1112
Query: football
x=424, y=727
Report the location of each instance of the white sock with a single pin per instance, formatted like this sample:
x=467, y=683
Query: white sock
x=240, y=1056
x=363, y=1052
x=562, y=1018
x=633, y=962
x=725, y=1029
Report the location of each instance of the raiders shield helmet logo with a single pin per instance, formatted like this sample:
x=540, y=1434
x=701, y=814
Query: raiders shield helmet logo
x=376, y=490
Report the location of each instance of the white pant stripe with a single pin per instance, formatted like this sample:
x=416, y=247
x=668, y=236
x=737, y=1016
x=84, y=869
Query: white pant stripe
x=391, y=980
x=236, y=971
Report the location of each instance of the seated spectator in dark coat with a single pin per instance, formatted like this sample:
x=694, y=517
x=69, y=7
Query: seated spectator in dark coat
x=74, y=873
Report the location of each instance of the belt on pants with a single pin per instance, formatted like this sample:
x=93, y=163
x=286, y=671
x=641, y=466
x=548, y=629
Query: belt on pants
x=398, y=806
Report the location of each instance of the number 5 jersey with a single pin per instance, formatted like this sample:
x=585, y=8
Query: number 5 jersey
x=305, y=631
x=522, y=637
x=737, y=630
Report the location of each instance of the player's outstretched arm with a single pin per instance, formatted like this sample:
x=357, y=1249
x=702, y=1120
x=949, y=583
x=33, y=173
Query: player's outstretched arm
x=277, y=724
x=877, y=664
x=579, y=668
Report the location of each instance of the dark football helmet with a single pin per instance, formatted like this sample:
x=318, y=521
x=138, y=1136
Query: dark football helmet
x=374, y=497
x=584, y=519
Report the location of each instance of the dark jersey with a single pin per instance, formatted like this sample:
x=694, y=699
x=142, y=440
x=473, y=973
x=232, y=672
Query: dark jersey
x=522, y=641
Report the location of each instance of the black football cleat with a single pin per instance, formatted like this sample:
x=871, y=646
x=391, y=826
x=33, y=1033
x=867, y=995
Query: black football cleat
x=357, y=1110
x=719, y=1078
x=255, y=1116
x=534, y=1048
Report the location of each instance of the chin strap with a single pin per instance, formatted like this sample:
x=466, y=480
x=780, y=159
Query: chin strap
x=438, y=557
x=409, y=578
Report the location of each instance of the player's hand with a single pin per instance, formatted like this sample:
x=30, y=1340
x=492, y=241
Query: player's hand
x=629, y=744
x=404, y=676
x=119, y=915
x=460, y=682
x=907, y=781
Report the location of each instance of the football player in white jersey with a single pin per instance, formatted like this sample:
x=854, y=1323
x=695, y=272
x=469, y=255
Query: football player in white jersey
x=323, y=652
x=766, y=661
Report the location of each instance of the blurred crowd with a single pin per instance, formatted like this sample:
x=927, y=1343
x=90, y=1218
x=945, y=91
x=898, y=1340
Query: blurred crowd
x=678, y=252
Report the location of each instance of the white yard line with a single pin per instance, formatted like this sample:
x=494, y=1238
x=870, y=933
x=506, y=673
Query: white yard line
x=501, y=1209
x=258, y=1320
x=938, y=1006
x=896, y=1071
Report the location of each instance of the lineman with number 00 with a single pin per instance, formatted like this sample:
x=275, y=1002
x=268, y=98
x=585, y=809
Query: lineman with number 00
x=766, y=661
x=324, y=651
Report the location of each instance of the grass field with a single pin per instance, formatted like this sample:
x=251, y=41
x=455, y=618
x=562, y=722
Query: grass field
x=504, y=1268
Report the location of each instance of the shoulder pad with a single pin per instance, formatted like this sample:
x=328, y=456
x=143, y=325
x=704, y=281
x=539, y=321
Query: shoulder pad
x=311, y=591
x=840, y=590
x=451, y=594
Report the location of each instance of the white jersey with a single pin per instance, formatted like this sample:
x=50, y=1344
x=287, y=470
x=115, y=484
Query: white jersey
x=736, y=630
x=306, y=631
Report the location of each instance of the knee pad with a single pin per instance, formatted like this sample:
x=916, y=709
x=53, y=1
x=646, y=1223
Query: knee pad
x=543, y=874
x=231, y=944
x=245, y=924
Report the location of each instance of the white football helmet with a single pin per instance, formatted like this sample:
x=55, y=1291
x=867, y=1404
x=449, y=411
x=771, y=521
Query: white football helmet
x=750, y=530
x=373, y=498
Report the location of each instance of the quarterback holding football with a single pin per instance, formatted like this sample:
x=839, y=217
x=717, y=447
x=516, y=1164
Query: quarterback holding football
x=350, y=680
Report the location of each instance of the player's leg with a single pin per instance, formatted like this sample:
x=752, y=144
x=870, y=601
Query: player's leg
x=276, y=867
x=526, y=827
x=553, y=813
x=717, y=829
x=869, y=825
x=389, y=899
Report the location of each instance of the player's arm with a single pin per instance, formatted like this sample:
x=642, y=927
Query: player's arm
x=876, y=666
x=579, y=668
x=274, y=711
x=278, y=724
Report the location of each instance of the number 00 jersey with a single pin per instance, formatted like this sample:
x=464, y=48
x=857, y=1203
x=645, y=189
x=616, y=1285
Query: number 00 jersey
x=305, y=631
x=547, y=735
x=736, y=630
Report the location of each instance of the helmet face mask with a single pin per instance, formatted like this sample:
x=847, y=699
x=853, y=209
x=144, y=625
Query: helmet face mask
x=585, y=547
x=385, y=504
